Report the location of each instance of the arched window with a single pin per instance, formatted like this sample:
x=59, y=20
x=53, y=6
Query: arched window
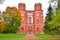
x=22, y=29
x=29, y=19
x=37, y=28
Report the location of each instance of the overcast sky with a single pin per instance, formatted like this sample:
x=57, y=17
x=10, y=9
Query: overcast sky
x=29, y=4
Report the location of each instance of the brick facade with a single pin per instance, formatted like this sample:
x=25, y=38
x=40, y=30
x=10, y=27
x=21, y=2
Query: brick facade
x=32, y=21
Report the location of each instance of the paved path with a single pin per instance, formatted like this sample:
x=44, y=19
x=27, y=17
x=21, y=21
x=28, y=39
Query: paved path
x=28, y=37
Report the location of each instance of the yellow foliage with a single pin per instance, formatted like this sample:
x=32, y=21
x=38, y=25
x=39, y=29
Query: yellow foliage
x=13, y=11
x=2, y=26
x=10, y=11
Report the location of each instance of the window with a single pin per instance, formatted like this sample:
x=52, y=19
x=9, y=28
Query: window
x=22, y=29
x=29, y=19
x=37, y=28
x=22, y=20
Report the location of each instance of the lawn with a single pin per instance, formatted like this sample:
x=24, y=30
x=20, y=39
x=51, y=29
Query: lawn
x=12, y=35
x=48, y=37
x=43, y=35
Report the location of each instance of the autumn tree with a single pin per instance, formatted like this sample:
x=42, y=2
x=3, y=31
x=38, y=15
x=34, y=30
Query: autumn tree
x=2, y=23
x=12, y=19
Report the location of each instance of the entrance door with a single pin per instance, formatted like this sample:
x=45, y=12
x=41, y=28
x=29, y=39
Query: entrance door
x=29, y=30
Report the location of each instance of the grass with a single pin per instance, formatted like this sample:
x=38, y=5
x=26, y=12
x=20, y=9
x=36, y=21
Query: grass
x=43, y=35
x=48, y=37
x=12, y=35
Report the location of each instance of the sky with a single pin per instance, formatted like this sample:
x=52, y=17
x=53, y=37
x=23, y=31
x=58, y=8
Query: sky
x=29, y=4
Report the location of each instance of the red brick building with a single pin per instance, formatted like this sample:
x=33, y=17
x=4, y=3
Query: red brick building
x=32, y=21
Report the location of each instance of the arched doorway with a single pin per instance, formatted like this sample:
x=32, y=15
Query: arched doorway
x=29, y=29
